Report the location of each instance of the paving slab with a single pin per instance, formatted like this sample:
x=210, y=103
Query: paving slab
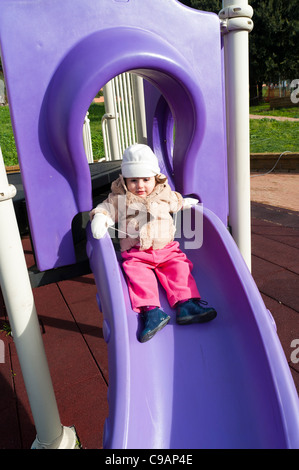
x=276, y=189
x=286, y=235
x=276, y=252
x=85, y=311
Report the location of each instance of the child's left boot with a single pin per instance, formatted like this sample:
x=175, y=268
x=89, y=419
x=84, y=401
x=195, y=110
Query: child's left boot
x=192, y=312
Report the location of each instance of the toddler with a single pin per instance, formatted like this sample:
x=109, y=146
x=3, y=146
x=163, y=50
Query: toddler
x=141, y=202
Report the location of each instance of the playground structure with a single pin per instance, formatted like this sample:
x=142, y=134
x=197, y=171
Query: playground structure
x=250, y=401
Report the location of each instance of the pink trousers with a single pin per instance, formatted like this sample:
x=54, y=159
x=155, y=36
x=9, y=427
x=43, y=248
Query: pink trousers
x=172, y=268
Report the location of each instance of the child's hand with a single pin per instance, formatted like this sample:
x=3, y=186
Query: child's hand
x=100, y=224
x=188, y=202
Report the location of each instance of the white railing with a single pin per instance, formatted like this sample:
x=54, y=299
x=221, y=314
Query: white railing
x=124, y=121
x=87, y=139
x=118, y=123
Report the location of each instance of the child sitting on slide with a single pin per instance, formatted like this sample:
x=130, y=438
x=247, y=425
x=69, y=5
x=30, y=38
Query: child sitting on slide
x=141, y=202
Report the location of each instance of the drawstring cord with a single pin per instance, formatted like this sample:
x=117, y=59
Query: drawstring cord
x=174, y=223
x=121, y=231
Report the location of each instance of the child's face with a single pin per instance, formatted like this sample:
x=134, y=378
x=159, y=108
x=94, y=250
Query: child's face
x=142, y=187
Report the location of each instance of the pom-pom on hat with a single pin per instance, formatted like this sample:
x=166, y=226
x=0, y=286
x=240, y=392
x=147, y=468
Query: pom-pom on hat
x=139, y=161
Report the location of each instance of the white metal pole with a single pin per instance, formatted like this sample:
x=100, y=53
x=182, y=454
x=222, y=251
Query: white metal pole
x=139, y=108
x=87, y=139
x=120, y=121
x=111, y=121
x=236, y=24
x=122, y=103
x=18, y=298
x=130, y=108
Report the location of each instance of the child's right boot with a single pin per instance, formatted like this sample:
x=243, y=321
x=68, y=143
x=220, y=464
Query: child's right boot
x=154, y=320
x=191, y=311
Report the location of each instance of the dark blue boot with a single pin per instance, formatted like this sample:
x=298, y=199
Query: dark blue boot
x=192, y=312
x=154, y=320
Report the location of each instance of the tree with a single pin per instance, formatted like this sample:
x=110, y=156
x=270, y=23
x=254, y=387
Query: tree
x=207, y=5
x=273, y=43
x=204, y=5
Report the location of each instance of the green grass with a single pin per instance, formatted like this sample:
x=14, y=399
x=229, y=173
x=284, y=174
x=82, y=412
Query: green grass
x=96, y=111
x=266, y=135
x=7, y=141
x=264, y=110
x=271, y=136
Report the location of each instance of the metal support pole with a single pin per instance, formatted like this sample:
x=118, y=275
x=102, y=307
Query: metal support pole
x=139, y=108
x=111, y=121
x=87, y=139
x=236, y=23
x=18, y=298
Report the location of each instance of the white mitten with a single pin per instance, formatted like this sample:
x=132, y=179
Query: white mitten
x=100, y=224
x=188, y=202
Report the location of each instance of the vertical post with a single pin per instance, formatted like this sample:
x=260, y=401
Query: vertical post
x=18, y=298
x=87, y=139
x=236, y=24
x=139, y=108
x=111, y=120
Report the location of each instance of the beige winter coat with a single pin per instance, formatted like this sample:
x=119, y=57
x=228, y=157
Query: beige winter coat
x=146, y=221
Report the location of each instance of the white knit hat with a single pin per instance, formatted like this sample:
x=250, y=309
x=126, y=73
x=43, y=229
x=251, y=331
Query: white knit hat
x=139, y=161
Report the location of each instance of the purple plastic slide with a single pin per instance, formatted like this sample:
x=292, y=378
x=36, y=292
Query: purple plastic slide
x=224, y=384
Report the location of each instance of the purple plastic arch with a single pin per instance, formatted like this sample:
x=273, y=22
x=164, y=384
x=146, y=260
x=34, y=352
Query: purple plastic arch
x=225, y=384
x=55, y=66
